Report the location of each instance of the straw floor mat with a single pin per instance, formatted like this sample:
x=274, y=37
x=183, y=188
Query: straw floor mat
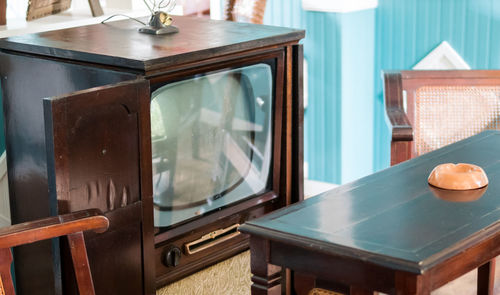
x=231, y=276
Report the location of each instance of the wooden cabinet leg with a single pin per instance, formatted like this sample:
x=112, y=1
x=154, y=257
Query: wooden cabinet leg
x=266, y=278
x=411, y=284
x=303, y=284
x=354, y=290
x=486, y=278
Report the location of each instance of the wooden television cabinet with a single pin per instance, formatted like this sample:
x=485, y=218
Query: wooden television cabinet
x=78, y=135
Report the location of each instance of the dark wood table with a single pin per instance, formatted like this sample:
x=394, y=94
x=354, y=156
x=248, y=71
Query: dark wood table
x=386, y=232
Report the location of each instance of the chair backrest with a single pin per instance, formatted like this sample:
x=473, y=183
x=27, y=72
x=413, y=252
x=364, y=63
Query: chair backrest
x=70, y=225
x=248, y=11
x=446, y=106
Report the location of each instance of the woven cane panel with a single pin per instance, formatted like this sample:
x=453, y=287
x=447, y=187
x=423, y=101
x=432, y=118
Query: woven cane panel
x=446, y=114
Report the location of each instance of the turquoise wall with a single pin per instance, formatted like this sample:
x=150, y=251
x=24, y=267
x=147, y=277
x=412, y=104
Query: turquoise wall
x=346, y=135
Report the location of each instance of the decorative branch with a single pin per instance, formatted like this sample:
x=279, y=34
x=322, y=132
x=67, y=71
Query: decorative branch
x=171, y=5
x=154, y=7
x=161, y=2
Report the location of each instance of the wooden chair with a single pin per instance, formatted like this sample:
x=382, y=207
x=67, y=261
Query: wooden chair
x=431, y=109
x=70, y=225
x=248, y=11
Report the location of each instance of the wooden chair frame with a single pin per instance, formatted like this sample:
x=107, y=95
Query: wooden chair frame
x=71, y=225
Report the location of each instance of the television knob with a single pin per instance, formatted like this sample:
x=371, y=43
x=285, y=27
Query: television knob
x=172, y=257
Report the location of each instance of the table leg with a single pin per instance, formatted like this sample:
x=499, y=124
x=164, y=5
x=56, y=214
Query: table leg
x=486, y=278
x=266, y=277
x=411, y=284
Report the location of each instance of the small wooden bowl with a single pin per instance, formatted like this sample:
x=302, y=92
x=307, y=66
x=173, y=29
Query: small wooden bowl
x=459, y=176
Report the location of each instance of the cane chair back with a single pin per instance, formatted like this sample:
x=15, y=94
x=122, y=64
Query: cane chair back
x=446, y=114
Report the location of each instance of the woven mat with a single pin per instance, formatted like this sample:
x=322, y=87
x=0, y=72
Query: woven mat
x=231, y=276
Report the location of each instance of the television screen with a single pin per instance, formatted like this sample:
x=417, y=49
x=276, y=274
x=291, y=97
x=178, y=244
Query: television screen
x=211, y=141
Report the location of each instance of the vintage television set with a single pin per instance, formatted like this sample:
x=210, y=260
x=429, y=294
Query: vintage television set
x=178, y=139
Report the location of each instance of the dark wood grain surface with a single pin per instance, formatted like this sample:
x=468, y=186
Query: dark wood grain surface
x=119, y=44
x=392, y=218
x=25, y=81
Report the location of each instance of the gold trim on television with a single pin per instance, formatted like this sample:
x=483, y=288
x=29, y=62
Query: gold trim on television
x=211, y=239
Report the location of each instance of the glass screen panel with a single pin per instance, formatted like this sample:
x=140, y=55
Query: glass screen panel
x=211, y=141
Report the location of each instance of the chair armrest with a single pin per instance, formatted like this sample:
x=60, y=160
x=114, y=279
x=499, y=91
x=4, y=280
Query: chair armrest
x=52, y=227
x=400, y=125
x=393, y=94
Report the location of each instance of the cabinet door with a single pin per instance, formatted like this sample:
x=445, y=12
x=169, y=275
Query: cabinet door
x=99, y=156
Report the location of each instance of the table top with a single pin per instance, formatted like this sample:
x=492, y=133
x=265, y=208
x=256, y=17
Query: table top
x=119, y=43
x=392, y=218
